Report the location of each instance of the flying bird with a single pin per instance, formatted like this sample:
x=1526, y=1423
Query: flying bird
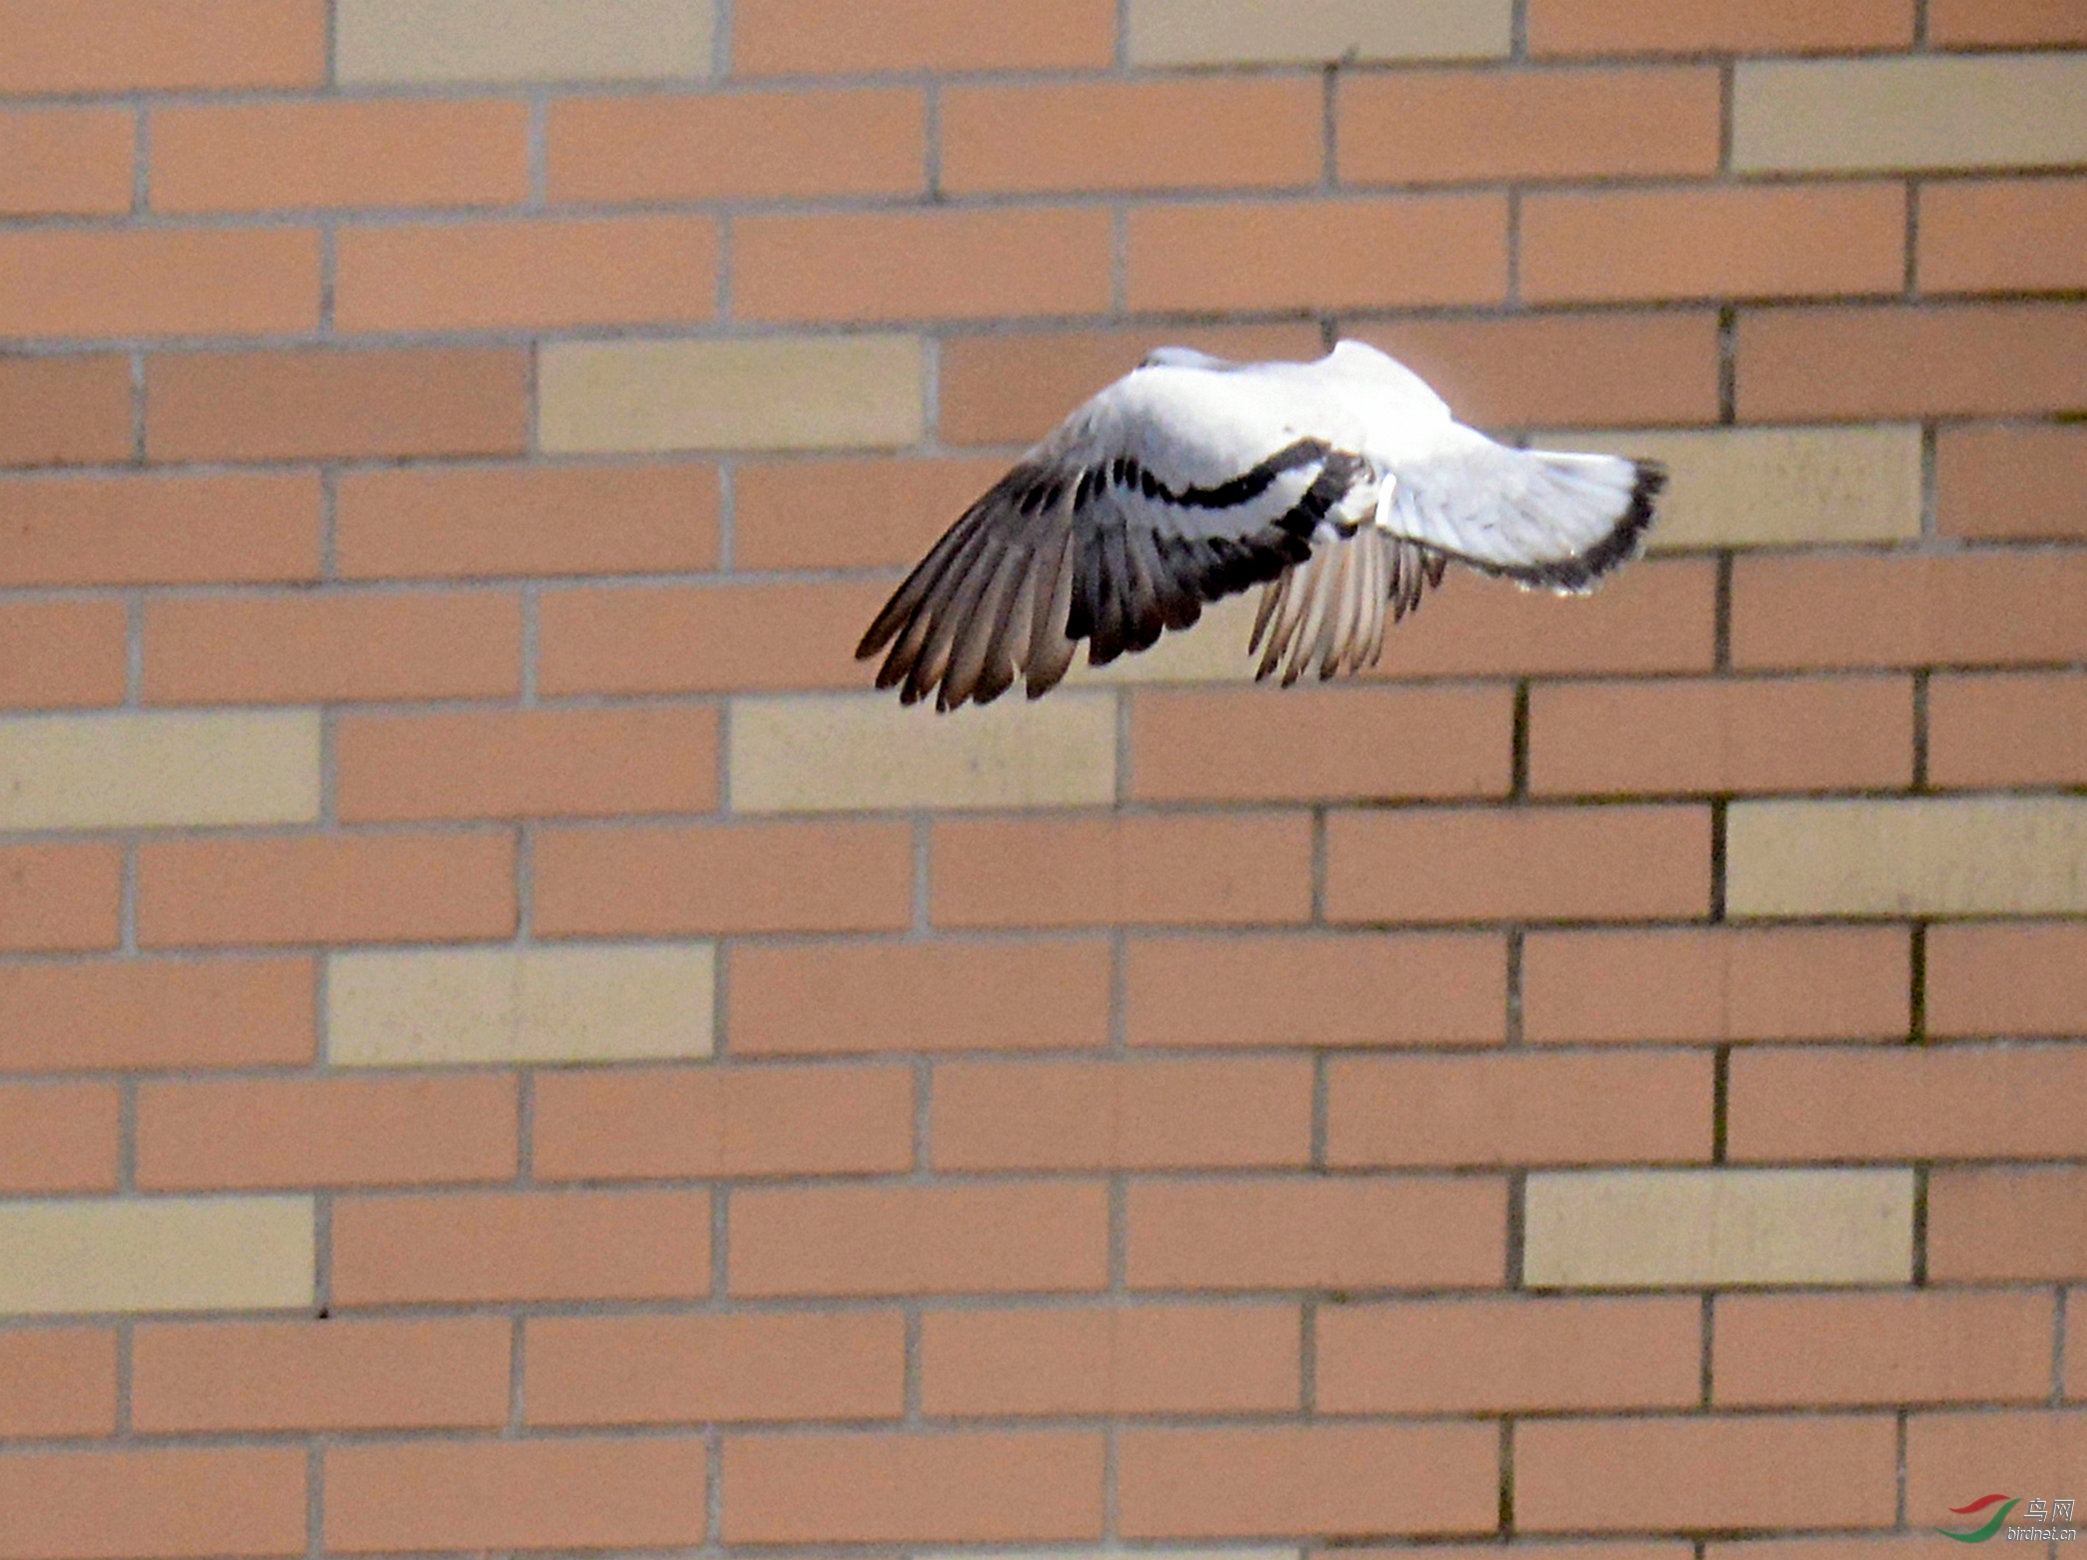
x=1344, y=488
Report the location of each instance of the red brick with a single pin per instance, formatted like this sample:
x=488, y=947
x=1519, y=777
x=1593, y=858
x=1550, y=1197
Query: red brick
x=162, y=45
x=1713, y=985
x=563, y=1494
x=981, y=1487
x=790, y=37
x=158, y=282
x=295, y=156
x=1354, y=1232
x=752, y=146
x=1884, y=1349
x=307, y=403
x=1204, y=132
x=529, y=275
x=1782, y=240
x=62, y=411
x=1534, y=863
x=1122, y=1116
x=688, y=1122
x=61, y=654
x=1565, y=370
x=1180, y=869
x=1005, y=388
x=1305, y=744
x=161, y=529
x=429, y=1372
x=881, y=996
x=1768, y=1471
x=2023, y=979
x=60, y=897
x=56, y=1137
x=442, y=522
x=467, y=1247
x=326, y=888
x=921, y=264
x=57, y=1381
x=896, y=508
x=1949, y=1455
x=691, y=1369
x=1485, y=1355
x=2003, y=235
x=2008, y=1223
x=66, y=161
x=1896, y=610
x=1334, y=989
x=735, y=636
x=306, y=648
x=1429, y=126
x=1619, y=1108
x=1801, y=364
x=377, y=1131
x=2012, y=729
x=1327, y=1479
x=1701, y=26
x=156, y=1013
x=171, y=1502
x=909, y=1240
x=724, y=878
x=2000, y=481
x=1320, y=254
x=1671, y=736
x=527, y=763
x=1953, y=23
x=1111, y=1359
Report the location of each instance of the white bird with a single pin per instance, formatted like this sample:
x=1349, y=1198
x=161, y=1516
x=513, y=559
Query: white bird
x=1342, y=486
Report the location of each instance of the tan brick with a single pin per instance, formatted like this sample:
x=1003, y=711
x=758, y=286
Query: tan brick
x=2007, y=980
x=66, y=161
x=1628, y=1228
x=1355, y=989
x=2000, y=480
x=2026, y=235
x=1223, y=32
x=58, y=411
x=815, y=37
x=776, y=393
x=58, y=1137
x=2024, y=728
x=1968, y=856
x=162, y=45
x=2016, y=1222
x=1949, y=1455
x=155, y=1254
x=522, y=40
x=158, y=281
x=1329, y=1479
x=182, y=1503
x=1410, y=1111
x=1111, y=1359
x=1773, y=487
x=435, y=1007
x=1930, y=111
x=341, y=1374
x=159, y=529
x=63, y=1016
x=1757, y=27
x=58, y=1381
x=1712, y=985
x=866, y=751
x=158, y=770
x=1883, y=1349
x=1480, y=1354
x=682, y=1369
x=1118, y=1116
x=61, y=896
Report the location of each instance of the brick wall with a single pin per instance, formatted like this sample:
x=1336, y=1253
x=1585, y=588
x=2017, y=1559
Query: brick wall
x=506, y=1044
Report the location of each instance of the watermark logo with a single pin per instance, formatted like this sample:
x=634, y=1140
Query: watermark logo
x=2042, y=1520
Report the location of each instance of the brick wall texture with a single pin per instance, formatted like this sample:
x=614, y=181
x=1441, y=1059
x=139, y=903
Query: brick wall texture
x=506, y=1044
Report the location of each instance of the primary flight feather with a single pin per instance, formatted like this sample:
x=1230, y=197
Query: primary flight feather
x=1343, y=487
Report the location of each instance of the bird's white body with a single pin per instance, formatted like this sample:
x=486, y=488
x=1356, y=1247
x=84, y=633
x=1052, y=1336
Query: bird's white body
x=1343, y=485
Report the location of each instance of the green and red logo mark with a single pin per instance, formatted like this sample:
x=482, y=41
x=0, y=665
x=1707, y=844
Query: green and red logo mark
x=1979, y=1535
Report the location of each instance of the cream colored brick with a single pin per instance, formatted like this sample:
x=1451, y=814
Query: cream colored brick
x=1973, y=855
x=1224, y=32
x=1625, y=1228
x=1922, y=111
x=1214, y=651
x=841, y=751
x=788, y=393
x=435, y=1007
x=1771, y=487
x=141, y=771
x=523, y=40
x=156, y=1254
